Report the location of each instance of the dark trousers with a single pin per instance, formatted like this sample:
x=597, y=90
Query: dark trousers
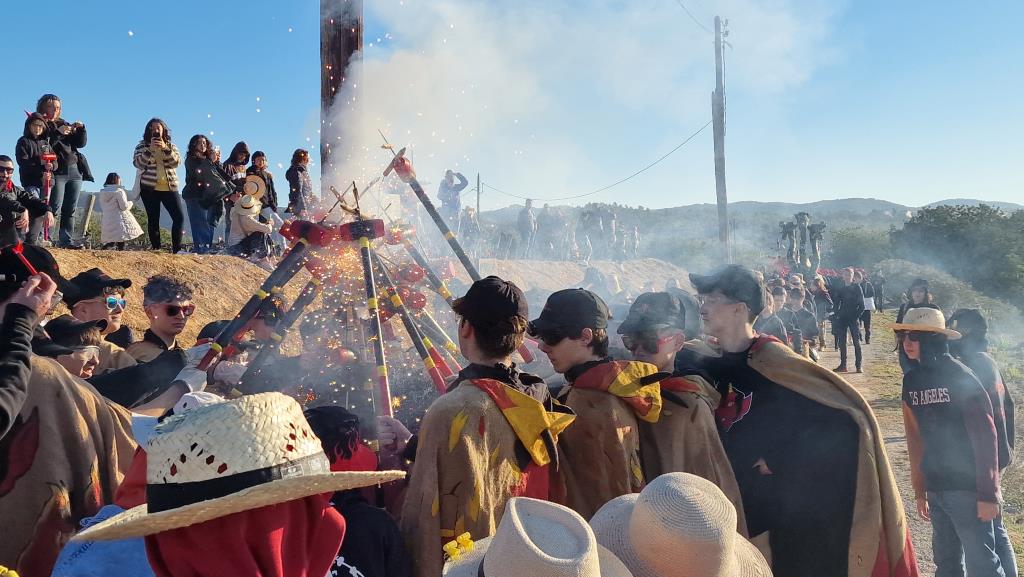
x=865, y=318
x=152, y=199
x=848, y=328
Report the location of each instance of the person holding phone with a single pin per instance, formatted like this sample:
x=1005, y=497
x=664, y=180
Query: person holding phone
x=65, y=138
x=157, y=159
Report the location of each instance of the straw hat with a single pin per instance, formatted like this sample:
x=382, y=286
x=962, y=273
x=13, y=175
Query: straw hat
x=680, y=525
x=926, y=320
x=224, y=458
x=247, y=202
x=254, y=186
x=538, y=538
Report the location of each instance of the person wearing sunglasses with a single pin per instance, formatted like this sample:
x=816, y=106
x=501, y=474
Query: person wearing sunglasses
x=168, y=305
x=685, y=438
x=92, y=296
x=74, y=344
x=952, y=441
x=806, y=449
x=599, y=456
x=22, y=214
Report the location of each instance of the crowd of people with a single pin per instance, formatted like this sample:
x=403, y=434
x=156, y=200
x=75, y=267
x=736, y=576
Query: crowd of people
x=709, y=446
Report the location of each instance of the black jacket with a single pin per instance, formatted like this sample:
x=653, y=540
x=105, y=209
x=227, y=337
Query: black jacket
x=271, y=197
x=15, y=368
x=29, y=154
x=13, y=202
x=66, y=147
x=849, y=303
x=373, y=545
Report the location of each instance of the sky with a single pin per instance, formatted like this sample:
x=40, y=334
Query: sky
x=910, y=102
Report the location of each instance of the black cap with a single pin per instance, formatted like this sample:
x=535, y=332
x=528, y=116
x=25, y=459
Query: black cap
x=13, y=272
x=652, y=311
x=571, y=309
x=90, y=284
x=736, y=282
x=66, y=326
x=491, y=300
x=968, y=322
x=212, y=329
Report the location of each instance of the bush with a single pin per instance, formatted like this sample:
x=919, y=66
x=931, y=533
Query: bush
x=858, y=247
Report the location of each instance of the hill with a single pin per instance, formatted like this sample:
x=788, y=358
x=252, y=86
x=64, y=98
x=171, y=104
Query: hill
x=1005, y=206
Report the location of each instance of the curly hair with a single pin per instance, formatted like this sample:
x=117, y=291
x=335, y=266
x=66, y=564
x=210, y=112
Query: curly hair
x=165, y=289
x=147, y=134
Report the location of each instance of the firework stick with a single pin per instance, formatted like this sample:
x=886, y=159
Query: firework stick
x=305, y=298
x=435, y=281
x=376, y=336
x=428, y=354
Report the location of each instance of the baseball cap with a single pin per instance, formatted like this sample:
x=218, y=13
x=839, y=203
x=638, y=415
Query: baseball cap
x=68, y=326
x=491, y=300
x=968, y=322
x=654, y=311
x=13, y=272
x=737, y=282
x=572, y=309
x=90, y=284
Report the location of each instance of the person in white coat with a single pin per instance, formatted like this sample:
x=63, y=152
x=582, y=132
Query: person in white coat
x=119, y=225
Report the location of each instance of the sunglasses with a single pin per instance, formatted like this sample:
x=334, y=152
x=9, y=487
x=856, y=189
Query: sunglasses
x=910, y=335
x=87, y=353
x=113, y=302
x=551, y=338
x=648, y=341
x=179, y=310
x=7, y=169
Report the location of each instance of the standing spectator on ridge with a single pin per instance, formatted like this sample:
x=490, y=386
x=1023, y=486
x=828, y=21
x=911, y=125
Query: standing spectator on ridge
x=235, y=167
x=20, y=212
x=157, y=159
x=527, y=224
x=119, y=225
x=849, y=306
x=31, y=168
x=952, y=442
x=300, y=186
x=449, y=193
x=201, y=188
x=259, y=168
x=168, y=305
x=869, y=303
x=72, y=168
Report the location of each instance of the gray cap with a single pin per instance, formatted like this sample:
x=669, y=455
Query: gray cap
x=737, y=282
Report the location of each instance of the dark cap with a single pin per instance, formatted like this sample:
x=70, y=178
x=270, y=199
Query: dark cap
x=652, y=311
x=491, y=300
x=968, y=322
x=736, y=282
x=13, y=272
x=90, y=284
x=571, y=309
x=212, y=329
x=67, y=326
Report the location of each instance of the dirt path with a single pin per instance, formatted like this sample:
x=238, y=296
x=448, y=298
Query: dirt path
x=880, y=384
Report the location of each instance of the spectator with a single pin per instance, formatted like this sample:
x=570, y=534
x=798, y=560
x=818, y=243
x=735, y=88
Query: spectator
x=21, y=213
x=168, y=305
x=768, y=322
x=822, y=306
x=269, y=200
x=469, y=230
x=917, y=296
x=527, y=224
x=300, y=186
x=635, y=243
x=869, y=303
x=449, y=193
x=74, y=344
x=953, y=446
x=72, y=168
x=234, y=168
x=249, y=237
x=92, y=296
x=849, y=306
x=801, y=324
x=119, y=225
x=157, y=159
x=32, y=168
x=879, y=291
x=204, y=193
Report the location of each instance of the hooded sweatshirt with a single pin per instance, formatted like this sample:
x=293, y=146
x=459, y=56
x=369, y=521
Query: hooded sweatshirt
x=29, y=153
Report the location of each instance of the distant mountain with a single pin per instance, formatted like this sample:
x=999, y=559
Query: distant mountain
x=1005, y=206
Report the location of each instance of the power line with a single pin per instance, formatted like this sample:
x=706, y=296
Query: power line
x=614, y=184
x=692, y=17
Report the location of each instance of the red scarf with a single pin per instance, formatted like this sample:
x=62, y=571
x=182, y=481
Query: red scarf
x=298, y=538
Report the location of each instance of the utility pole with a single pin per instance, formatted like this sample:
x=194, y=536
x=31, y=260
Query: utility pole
x=718, y=125
x=341, y=38
x=478, y=195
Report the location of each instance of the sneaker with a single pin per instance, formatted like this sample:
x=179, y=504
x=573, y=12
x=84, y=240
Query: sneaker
x=860, y=370
x=840, y=369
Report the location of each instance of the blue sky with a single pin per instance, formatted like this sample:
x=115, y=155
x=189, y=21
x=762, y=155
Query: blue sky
x=907, y=101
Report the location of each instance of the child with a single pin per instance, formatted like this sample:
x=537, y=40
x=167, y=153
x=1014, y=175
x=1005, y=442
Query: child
x=248, y=236
x=119, y=225
x=74, y=344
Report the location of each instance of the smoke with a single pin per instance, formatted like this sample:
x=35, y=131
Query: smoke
x=550, y=99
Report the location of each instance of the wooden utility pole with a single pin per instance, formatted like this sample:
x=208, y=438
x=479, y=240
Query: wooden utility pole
x=718, y=125
x=478, y=195
x=341, y=37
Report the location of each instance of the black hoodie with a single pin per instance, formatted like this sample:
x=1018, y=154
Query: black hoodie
x=29, y=154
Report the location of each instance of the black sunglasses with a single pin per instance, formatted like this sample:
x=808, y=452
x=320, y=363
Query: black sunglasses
x=910, y=335
x=551, y=338
x=649, y=341
x=7, y=169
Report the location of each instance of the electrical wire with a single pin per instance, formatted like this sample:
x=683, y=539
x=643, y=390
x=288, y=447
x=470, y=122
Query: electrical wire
x=612, y=185
x=692, y=17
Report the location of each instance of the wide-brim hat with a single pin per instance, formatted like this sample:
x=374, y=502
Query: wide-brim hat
x=926, y=320
x=255, y=186
x=226, y=458
x=680, y=525
x=248, y=203
x=538, y=538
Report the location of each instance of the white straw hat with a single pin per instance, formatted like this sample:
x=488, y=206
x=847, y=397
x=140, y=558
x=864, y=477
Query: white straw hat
x=538, y=539
x=247, y=202
x=680, y=525
x=928, y=320
x=254, y=186
x=229, y=457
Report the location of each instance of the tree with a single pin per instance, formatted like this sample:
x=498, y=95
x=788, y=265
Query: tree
x=858, y=247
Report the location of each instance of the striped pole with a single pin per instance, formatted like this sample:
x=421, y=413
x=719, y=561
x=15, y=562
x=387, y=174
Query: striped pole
x=435, y=281
x=376, y=333
x=432, y=360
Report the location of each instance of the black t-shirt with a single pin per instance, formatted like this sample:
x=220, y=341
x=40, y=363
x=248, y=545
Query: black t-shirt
x=373, y=545
x=958, y=435
x=771, y=325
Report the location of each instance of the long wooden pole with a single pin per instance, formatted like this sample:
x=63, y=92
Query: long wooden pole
x=341, y=38
x=718, y=118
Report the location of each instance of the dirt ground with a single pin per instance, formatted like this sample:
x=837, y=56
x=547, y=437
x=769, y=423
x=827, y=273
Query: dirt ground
x=880, y=384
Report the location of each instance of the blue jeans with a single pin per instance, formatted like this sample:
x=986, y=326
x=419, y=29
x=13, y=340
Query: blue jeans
x=199, y=220
x=1004, y=548
x=63, y=202
x=958, y=536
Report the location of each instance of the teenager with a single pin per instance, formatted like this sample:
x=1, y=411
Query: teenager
x=600, y=453
x=952, y=442
x=801, y=324
x=300, y=186
x=157, y=159
x=490, y=438
x=168, y=305
x=768, y=322
x=917, y=296
x=22, y=214
x=91, y=296
x=805, y=447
